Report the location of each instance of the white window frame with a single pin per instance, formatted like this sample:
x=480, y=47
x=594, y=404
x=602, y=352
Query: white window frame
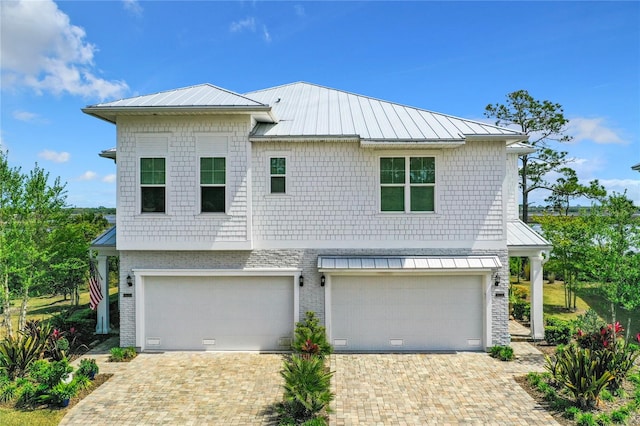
x=407, y=183
x=286, y=175
x=150, y=185
x=201, y=185
x=152, y=145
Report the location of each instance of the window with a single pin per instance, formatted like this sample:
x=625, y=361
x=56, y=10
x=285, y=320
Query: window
x=278, y=171
x=212, y=184
x=407, y=184
x=152, y=185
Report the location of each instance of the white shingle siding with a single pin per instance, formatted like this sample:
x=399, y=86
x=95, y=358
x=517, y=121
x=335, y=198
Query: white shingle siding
x=511, y=189
x=182, y=223
x=333, y=194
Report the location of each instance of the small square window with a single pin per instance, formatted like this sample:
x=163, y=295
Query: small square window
x=407, y=184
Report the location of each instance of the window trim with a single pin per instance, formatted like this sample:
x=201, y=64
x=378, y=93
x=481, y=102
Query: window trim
x=286, y=175
x=140, y=185
x=200, y=185
x=407, y=185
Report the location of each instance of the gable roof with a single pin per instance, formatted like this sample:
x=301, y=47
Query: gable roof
x=308, y=110
x=636, y=167
x=187, y=100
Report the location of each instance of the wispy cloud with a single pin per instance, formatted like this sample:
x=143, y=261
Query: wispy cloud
x=88, y=175
x=299, y=10
x=109, y=178
x=248, y=24
x=28, y=117
x=133, y=7
x=593, y=129
x=265, y=34
x=49, y=54
x=56, y=157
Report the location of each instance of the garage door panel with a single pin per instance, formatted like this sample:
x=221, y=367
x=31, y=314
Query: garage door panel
x=237, y=313
x=424, y=312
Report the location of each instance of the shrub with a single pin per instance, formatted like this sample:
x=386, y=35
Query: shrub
x=557, y=331
x=306, y=388
x=88, y=367
x=605, y=338
x=571, y=412
x=504, y=353
x=585, y=419
x=122, y=354
x=17, y=354
x=603, y=419
x=310, y=337
x=521, y=310
x=584, y=373
x=621, y=363
x=620, y=415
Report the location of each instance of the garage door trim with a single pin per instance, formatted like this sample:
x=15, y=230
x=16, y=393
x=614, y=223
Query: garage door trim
x=141, y=274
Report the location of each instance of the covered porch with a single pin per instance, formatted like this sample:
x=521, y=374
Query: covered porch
x=104, y=247
x=522, y=241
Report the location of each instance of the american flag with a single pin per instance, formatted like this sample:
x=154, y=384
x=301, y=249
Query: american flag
x=95, y=292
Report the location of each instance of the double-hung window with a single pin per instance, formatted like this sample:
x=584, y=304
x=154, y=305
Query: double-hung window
x=212, y=184
x=278, y=173
x=153, y=185
x=407, y=184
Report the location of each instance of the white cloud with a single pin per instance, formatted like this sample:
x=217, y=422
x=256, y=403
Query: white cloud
x=88, y=175
x=593, y=129
x=109, y=178
x=632, y=186
x=56, y=157
x=265, y=33
x=26, y=116
x=245, y=24
x=299, y=10
x=133, y=6
x=42, y=50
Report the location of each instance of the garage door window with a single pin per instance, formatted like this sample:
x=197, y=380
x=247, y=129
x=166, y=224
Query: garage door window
x=407, y=184
x=152, y=185
x=212, y=184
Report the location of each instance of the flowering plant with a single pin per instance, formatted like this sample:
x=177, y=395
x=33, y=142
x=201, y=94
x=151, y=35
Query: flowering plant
x=605, y=338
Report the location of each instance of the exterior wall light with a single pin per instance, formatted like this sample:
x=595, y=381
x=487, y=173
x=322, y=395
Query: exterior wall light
x=496, y=279
x=323, y=280
x=129, y=281
x=301, y=280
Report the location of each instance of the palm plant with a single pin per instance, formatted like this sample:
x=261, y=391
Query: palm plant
x=307, y=387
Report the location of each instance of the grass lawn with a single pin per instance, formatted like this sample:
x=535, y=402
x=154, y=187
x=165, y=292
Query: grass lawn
x=588, y=297
x=40, y=417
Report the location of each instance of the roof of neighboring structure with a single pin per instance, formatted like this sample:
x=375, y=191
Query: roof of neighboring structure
x=307, y=110
x=521, y=148
x=187, y=100
x=410, y=263
x=520, y=235
x=636, y=167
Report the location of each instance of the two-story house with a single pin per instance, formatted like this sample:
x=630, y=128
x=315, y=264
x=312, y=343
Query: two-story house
x=237, y=213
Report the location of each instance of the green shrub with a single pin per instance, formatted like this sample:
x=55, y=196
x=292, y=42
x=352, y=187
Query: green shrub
x=620, y=415
x=88, y=367
x=504, y=353
x=621, y=364
x=310, y=337
x=122, y=354
x=306, y=389
x=533, y=378
x=585, y=419
x=603, y=419
x=584, y=373
x=605, y=395
x=521, y=310
x=571, y=412
x=557, y=331
x=17, y=354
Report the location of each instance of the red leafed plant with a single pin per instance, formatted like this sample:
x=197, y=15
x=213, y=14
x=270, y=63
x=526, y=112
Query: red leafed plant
x=603, y=339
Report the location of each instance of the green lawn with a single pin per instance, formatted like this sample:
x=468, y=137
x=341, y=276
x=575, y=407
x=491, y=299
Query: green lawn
x=588, y=297
x=42, y=417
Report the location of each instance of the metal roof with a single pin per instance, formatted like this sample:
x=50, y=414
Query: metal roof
x=202, y=98
x=408, y=263
x=636, y=167
x=106, y=239
x=521, y=148
x=306, y=110
x=520, y=235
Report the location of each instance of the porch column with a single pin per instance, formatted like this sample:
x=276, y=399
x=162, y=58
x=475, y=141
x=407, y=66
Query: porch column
x=102, y=323
x=536, y=319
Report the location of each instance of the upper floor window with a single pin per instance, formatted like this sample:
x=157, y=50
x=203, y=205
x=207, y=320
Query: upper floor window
x=212, y=184
x=153, y=185
x=407, y=184
x=278, y=172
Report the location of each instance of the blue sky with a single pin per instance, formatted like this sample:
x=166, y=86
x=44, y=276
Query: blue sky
x=450, y=57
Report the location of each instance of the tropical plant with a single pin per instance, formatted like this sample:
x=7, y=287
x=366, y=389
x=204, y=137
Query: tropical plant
x=122, y=354
x=17, y=354
x=62, y=392
x=503, y=353
x=306, y=389
x=88, y=367
x=310, y=337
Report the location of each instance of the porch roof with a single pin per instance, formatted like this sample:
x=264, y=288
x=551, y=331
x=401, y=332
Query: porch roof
x=408, y=263
x=521, y=236
x=105, y=240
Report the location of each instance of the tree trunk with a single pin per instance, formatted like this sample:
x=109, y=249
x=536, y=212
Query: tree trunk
x=6, y=305
x=23, y=308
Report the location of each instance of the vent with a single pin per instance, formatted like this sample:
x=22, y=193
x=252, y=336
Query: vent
x=474, y=342
x=339, y=342
x=285, y=342
x=208, y=342
x=153, y=341
x=396, y=342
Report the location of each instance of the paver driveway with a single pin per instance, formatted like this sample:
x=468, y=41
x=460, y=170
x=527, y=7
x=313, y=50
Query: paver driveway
x=199, y=388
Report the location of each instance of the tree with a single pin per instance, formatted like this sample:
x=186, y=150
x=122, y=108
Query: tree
x=542, y=121
x=568, y=188
x=615, y=262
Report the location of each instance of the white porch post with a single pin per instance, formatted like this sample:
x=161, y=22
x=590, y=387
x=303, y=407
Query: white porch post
x=536, y=319
x=102, y=324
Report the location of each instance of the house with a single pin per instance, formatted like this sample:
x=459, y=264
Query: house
x=237, y=213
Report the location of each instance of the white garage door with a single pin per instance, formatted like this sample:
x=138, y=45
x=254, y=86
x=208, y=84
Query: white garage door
x=218, y=313
x=401, y=313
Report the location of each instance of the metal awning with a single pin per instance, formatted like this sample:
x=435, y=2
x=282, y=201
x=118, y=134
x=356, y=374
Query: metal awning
x=408, y=263
x=521, y=236
x=105, y=240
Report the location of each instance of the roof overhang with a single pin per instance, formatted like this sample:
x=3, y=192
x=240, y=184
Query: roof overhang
x=636, y=167
x=524, y=241
x=305, y=138
x=509, y=139
x=110, y=113
x=408, y=264
x=108, y=153
x=520, y=148
x=411, y=144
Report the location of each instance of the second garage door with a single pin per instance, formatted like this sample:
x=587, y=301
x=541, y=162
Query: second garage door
x=404, y=313
x=218, y=313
